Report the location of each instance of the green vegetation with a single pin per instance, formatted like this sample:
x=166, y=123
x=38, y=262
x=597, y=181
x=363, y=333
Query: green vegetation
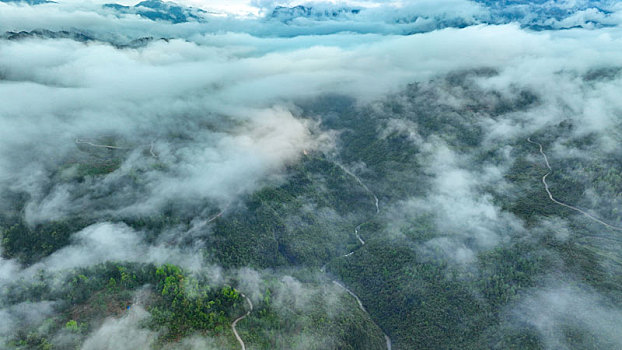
x=315, y=326
x=186, y=306
x=179, y=303
x=301, y=223
x=31, y=244
x=406, y=275
x=429, y=304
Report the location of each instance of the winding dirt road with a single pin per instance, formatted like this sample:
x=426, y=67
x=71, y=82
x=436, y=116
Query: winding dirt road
x=219, y=214
x=376, y=202
x=371, y=193
x=386, y=337
x=235, y=322
x=215, y=217
x=352, y=294
x=87, y=142
x=151, y=150
x=356, y=233
x=546, y=187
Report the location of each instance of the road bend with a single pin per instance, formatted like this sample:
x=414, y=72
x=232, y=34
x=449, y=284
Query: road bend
x=548, y=191
x=235, y=322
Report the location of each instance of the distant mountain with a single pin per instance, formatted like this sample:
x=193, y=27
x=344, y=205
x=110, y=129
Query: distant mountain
x=156, y=10
x=549, y=14
x=47, y=34
x=304, y=19
x=536, y=15
x=287, y=14
x=29, y=2
x=532, y=14
x=80, y=37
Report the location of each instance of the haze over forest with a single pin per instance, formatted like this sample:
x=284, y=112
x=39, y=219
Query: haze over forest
x=254, y=174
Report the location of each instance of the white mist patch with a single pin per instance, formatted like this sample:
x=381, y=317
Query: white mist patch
x=143, y=96
x=103, y=242
x=237, y=162
x=23, y=315
x=463, y=213
x=123, y=333
x=556, y=310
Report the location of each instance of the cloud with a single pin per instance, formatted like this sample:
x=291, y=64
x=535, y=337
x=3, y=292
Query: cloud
x=122, y=333
x=104, y=241
x=558, y=310
x=217, y=108
x=24, y=315
x=461, y=208
x=249, y=145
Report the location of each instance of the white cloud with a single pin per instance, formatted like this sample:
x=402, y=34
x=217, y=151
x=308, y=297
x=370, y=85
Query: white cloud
x=103, y=242
x=124, y=333
x=467, y=219
x=555, y=310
